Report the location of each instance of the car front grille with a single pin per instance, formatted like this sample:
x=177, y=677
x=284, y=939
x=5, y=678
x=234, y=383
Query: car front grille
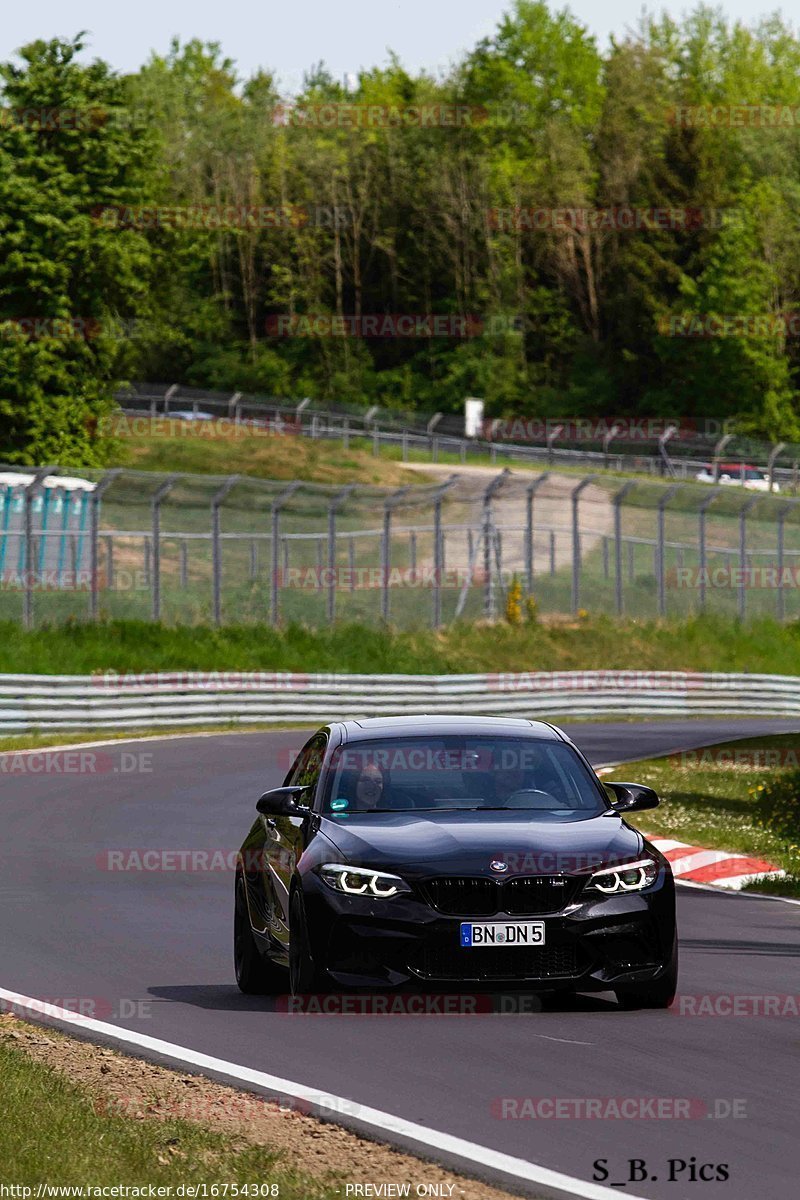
x=438, y=961
x=527, y=896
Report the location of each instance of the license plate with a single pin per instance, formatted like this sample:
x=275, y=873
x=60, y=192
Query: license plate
x=501, y=933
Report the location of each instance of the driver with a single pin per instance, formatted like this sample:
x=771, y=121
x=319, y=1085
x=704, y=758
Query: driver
x=515, y=776
x=369, y=792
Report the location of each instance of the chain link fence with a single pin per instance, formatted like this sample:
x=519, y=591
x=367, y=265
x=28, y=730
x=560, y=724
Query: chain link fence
x=234, y=549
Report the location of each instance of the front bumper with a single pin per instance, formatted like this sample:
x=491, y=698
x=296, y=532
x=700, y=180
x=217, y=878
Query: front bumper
x=595, y=943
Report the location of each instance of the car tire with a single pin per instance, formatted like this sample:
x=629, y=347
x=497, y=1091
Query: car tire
x=658, y=994
x=255, y=975
x=304, y=977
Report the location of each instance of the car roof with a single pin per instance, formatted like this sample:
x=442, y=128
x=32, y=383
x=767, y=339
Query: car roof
x=422, y=723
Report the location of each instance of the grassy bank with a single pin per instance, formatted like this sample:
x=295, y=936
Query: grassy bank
x=596, y=642
x=104, y=1119
x=73, y=1141
x=710, y=798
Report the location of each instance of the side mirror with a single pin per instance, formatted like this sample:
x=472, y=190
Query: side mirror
x=632, y=797
x=282, y=802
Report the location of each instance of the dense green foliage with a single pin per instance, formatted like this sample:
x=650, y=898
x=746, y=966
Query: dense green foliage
x=576, y=315
x=61, y=275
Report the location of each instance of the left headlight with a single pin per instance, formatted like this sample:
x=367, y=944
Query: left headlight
x=628, y=877
x=362, y=881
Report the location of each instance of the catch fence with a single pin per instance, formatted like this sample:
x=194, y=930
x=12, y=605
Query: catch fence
x=233, y=549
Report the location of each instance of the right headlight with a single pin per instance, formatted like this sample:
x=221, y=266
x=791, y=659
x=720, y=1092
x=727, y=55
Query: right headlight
x=627, y=877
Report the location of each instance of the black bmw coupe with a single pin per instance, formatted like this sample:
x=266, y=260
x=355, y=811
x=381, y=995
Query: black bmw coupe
x=441, y=852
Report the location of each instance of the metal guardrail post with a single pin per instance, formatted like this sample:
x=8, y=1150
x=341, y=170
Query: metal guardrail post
x=275, y=511
x=616, y=501
x=608, y=439
x=773, y=455
x=386, y=550
x=333, y=508
x=216, y=554
x=666, y=462
x=551, y=437
x=30, y=495
x=94, y=537
x=660, y=572
x=576, y=541
x=743, y=512
x=155, y=505
x=701, y=544
x=718, y=449
x=530, y=492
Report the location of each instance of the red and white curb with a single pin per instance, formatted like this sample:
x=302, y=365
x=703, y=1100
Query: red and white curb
x=719, y=867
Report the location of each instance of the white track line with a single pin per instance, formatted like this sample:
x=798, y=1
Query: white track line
x=381, y=1122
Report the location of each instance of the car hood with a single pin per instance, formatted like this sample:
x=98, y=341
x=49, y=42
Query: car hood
x=454, y=843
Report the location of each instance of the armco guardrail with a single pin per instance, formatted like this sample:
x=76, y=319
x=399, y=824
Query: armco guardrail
x=150, y=701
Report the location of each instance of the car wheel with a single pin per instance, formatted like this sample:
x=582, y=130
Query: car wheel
x=304, y=977
x=255, y=975
x=658, y=994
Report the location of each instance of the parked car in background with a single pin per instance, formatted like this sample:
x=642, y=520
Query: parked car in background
x=737, y=473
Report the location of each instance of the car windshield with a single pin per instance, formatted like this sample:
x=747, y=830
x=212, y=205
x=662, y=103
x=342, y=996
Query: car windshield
x=453, y=773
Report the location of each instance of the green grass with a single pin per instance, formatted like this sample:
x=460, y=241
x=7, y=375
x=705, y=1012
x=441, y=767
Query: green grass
x=51, y=1132
x=186, y=447
x=594, y=642
x=716, y=805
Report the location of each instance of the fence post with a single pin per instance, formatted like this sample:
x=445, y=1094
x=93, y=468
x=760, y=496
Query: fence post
x=110, y=560
x=784, y=510
x=333, y=508
x=216, y=556
x=30, y=495
x=94, y=537
x=616, y=502
x=743, y=512
x=386, y=551
x=155, y=505
x=489, y=607
x=275, y=509
x=701, y=540
x=437, y=549
x=576, y=542
x=530, y=492
x=662, y=504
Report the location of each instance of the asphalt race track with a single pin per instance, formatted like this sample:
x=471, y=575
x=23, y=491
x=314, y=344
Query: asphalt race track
x=160, y=941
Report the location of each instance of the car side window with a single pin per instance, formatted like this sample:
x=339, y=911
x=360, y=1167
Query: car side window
x=308, y=766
